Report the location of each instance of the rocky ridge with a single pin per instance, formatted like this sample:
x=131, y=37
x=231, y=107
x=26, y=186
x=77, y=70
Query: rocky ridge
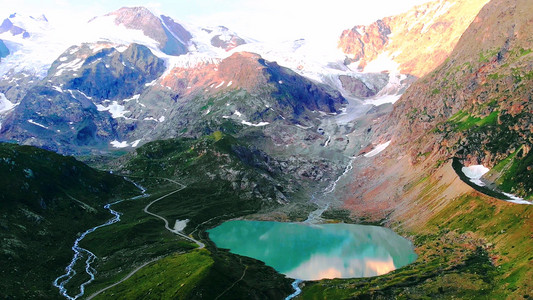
x=173, y=39
x=4, y=51
x=477, y=104
x=476, y=108
x=415, y=42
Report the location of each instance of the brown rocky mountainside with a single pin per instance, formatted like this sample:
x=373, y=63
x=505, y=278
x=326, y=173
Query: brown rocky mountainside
x=172, y=37
x=251, y=73
x=476, y=106
x=418, y=40
x=242, y=69
x=478, y=103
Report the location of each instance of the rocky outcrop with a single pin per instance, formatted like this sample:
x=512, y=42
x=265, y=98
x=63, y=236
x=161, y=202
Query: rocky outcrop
x=225, y=39
x=60, y=113
x=8, y=26
x=242, y=92
x=57, y=121
x=364, y=88
x=4, y=51
x=417, y=41
x=177, y=30
x=110, y=74
x=484, y=83
x=173, y=38
x=476, y=106
x=273, y=90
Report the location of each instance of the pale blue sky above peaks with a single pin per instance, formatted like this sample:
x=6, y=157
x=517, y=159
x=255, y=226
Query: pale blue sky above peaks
x=273, y=20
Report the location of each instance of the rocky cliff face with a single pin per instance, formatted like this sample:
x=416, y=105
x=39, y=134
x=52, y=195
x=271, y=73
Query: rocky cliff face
x=57, y=121
x=172, y=37
x=477, y=105
x=71, y=108
x=99, y=96
x=243, y=90
x=8, y=26
x=111, y=74
x=417, y=41
x=4, y=51
x=225, y=39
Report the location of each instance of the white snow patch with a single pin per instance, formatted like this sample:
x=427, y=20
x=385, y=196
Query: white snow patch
x=116, y=110
x=151, y=83
x=85, y=95
x=230, y=83
x=327, y=141
x=121, y=48
x=70, y=66
x=255, y=125
x=383, y=62
x=383, y=100
x=222, y=83
x=516, y=199
x=118, y=144
x=161, y=119
x=300, y=126
x=135, y=143
x=475, y=172
x=5, y=105
x=377, y=150
x=192, y=60
x=180, y=224
x=135, y=97
x=238, y=113
x=57, y=89
x=38, y=124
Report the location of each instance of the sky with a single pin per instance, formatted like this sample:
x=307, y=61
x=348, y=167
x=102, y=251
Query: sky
x=269, y=21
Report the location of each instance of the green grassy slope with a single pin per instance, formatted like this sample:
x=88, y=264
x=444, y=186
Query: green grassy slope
x=45, y=201
x=174, y=276
x=221, y=183
x=475, y=247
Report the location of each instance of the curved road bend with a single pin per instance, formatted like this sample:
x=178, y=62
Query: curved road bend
x=200, y=244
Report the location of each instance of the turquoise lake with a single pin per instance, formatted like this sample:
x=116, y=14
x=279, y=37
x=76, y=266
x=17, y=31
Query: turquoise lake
x=313, y=252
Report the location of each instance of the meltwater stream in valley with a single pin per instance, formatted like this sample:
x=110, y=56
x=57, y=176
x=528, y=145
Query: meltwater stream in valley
x=312, y=252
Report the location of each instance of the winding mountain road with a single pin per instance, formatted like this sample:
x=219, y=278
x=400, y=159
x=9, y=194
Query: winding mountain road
x=182, y=186
x=123, y=279
x=90, y=271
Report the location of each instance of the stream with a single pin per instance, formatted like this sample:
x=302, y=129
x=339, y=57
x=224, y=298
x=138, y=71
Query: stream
x=315, y=216
x=82, y=253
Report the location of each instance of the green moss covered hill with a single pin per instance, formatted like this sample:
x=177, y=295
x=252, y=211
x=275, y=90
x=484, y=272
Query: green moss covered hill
x=46, y=199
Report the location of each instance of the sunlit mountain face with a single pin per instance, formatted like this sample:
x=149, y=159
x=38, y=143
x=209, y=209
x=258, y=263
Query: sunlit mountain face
x=230, y=150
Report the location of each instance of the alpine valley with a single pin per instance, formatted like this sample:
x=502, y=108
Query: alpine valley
x=126, y=145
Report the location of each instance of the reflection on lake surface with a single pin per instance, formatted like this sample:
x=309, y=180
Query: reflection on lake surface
x=312, y=252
